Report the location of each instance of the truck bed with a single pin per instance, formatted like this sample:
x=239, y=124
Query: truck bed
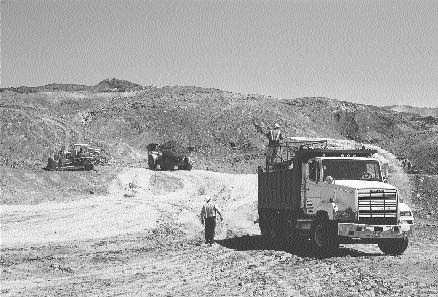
x=278, y=190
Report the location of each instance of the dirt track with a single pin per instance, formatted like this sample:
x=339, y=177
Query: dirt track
x=144, y=238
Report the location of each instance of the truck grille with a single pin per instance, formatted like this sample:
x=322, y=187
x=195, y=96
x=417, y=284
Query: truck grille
x=377, y=206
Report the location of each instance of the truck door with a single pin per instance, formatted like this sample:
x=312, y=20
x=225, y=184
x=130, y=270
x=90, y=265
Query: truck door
x=312, y=187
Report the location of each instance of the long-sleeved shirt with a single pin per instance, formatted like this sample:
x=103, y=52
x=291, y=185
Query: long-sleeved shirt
x=210, y=210
x=274, y=137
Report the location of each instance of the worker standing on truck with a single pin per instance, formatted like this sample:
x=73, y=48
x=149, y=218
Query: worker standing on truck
x=274, y=136
x=208, y=219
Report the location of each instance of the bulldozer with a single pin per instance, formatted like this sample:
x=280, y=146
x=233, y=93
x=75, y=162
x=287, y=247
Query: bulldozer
x=80, y=156
x=167, y=156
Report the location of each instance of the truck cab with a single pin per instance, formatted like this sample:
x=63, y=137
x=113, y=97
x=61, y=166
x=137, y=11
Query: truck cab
x=337, y=181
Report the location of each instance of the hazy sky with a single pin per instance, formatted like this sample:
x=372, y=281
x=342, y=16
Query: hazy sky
x=364, y=51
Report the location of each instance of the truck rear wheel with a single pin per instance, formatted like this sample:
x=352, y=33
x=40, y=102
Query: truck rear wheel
x=167, y=164
x=88, y=165
x=395, y=246
x=269, y=225
x=324, y=235
x=277, y=228
x=187, y=164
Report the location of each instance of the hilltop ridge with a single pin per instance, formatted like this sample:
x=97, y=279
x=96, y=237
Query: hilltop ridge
x=106, y=85
x=225, y=128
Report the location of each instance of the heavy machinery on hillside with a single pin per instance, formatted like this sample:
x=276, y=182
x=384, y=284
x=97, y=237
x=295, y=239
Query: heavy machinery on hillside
x=79, y=156
x=168, y=156
x=330, y=196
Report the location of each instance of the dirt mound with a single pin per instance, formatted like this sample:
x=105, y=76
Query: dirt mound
x=225, y=129
x=424, y=198
x=25, y=186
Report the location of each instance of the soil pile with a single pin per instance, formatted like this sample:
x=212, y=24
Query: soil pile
x=225, y=129
x=126, y=230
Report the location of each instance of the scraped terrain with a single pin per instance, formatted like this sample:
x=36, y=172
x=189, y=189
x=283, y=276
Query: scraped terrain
x=138, y=199
x=143, y=238
x=124, y=230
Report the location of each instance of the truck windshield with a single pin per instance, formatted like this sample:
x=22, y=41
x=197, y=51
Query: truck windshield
x=351, y=169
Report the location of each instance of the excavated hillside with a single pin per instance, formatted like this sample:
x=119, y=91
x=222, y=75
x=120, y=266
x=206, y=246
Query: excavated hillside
x=225, y=129
x=129, y=231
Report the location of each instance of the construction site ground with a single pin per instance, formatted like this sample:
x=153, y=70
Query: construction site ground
x=135, y=232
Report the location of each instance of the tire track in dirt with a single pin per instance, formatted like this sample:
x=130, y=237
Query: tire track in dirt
x=165, y=256
x=54, y=123
x=134, y=204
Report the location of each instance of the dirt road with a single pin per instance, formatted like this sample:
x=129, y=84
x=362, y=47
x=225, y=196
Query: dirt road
x=144, y=239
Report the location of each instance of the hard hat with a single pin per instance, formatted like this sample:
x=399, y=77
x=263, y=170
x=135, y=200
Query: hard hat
x=276, y=126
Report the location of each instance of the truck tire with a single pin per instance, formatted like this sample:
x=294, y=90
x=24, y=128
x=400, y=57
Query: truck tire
x=324, y=235
x=51, y=164
x=151, y=163
x=166, y=164
x=187, y=164
x=395, y=246
x=276, y=228
x=88, y=165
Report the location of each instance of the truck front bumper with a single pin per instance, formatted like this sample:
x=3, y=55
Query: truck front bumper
x=373, y=233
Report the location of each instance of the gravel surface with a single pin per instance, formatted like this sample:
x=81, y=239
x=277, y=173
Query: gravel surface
x=155, y=246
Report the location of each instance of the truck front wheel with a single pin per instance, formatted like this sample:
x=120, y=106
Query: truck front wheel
x=394, y=246
x=151, y=163
x=324, y=235
x=88, y=165
x=188, y=164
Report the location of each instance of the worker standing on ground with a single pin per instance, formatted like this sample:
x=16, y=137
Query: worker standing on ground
x=208, y=219
x=62, y=159
x=274, y=137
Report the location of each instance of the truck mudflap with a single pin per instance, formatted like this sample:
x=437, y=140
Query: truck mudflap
x=362, y=231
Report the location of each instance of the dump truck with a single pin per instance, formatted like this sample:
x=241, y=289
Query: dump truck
x=168, y=156
x=330, y=196
x=79, y=156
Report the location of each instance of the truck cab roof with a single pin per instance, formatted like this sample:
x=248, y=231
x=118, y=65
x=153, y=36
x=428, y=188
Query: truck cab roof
x=306, y=154
x=346, y=158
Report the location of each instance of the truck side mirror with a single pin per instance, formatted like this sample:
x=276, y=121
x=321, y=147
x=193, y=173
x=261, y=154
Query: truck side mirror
x=330, y=180
x=306, y=170
x=384, y=172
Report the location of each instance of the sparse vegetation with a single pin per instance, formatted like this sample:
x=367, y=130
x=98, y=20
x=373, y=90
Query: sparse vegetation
x=126, y=230
x=35, y=122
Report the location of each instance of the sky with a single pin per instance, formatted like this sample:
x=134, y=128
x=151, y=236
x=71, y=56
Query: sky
x=363, y=51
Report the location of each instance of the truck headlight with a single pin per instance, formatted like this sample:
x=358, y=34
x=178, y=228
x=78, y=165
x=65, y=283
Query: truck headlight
x=348, y=215
x=405, y=213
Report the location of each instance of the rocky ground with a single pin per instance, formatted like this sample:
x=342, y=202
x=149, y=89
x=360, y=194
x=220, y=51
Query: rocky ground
x=124, y=230
x=140, y=236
